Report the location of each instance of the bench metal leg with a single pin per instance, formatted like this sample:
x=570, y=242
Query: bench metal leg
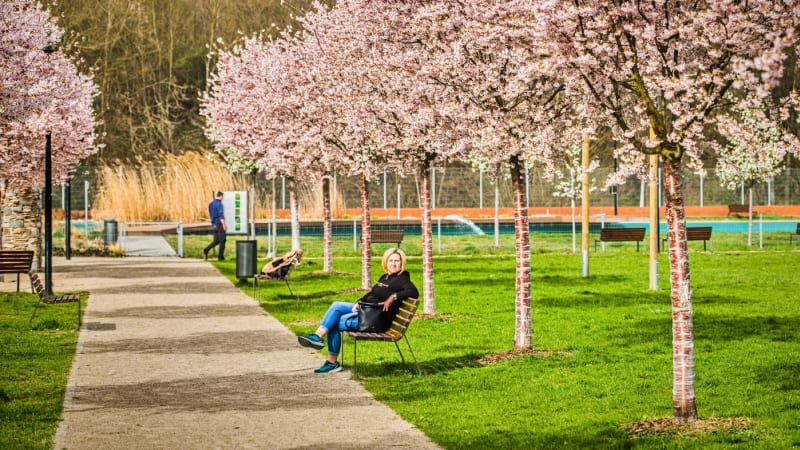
x=419, y=372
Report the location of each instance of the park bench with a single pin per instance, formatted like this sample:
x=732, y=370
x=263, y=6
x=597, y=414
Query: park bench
x=796, y=233
x=279, y=269
x=395, y=332
x=698, y=234
x=16, y=262
x=621, y=235
x=45, y=298
x=739, y=210
x=391, y=236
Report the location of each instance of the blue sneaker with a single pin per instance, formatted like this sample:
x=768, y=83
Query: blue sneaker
x=312, y=340
x=329, y=367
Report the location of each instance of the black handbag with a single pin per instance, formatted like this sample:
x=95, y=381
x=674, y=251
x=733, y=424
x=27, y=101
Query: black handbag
x=372, y=319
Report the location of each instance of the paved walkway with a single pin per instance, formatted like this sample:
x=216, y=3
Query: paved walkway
x=172, y=355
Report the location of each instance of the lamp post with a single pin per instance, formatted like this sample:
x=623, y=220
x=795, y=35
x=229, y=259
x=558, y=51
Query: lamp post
x=48, y=206
x=48, y=217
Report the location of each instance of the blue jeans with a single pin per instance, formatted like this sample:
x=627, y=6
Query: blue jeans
x=338, y=317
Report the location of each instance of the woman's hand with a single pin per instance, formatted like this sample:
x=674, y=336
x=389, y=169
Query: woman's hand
x=355, y=307
x=388, y=302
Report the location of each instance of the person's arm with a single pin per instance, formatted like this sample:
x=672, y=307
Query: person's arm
x=406, y=290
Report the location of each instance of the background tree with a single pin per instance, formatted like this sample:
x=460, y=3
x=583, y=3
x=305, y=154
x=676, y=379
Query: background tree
x=667, y=66
x=756, y=149
x=151, y=62
x=41, y=91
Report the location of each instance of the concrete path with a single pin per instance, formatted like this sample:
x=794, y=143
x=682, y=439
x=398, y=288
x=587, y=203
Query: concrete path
x=173, y=356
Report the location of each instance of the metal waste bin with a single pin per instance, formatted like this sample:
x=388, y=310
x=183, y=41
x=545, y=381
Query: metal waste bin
x=246, y=259
x=110, y=231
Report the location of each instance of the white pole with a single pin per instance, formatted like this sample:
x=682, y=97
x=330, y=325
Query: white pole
x=283, y=193
x=384, y=189
x=86, y=209
x=433, y=188
x=527, y=190
x=439, y=232
x=760, y=231
x=497, y=213
x=398, y=200
x=701, y=190
x=480, y=188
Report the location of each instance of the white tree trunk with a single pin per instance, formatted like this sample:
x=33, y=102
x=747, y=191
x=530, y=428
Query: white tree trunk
x=295, y=212
x=366, y=242
x=523, y=332
x=427, y=242
x=683, y=398
x=327, y=236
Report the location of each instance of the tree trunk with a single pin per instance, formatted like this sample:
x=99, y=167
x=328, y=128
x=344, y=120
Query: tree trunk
x=366, y=244
x=327, y=238
x=683, y=400
x=295, y=213
x=523, y=334
x=427, y=241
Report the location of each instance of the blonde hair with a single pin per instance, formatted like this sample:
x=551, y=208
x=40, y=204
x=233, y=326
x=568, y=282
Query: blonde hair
x=390, y=252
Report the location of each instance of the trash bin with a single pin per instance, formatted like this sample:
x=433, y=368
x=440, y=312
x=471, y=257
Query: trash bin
x=110, y=231
x=246, y=259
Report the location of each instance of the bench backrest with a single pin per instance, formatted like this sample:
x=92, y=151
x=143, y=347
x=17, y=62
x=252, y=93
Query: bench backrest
x=622, y=234
x=403, y=318
x=15, y=261
x=698, y=233
x=738, y=209
x=386, y=236
x=37, y=284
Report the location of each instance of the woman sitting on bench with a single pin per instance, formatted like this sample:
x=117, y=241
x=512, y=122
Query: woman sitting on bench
x=391, y=289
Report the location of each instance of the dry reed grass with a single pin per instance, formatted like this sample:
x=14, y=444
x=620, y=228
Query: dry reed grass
x=179, y=187
x=171, y=188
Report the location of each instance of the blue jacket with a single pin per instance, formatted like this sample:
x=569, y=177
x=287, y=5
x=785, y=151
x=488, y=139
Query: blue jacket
x=216, y=212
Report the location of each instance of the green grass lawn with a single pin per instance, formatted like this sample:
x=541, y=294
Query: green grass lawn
x=604, y=344
x=34, y=367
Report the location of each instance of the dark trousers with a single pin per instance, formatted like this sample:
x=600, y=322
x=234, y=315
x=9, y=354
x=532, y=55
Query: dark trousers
x=219, y=239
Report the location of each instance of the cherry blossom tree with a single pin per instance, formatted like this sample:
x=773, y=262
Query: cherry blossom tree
x=756, y=150
x=516, y=111
x=668, y=66
x=41, y=91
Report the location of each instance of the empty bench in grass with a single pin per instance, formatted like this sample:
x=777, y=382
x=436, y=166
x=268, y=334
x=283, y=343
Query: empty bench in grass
x=391, y=236
x=739, y=210
x=44, y=297
x=395, y=332
x=16, y=262
x=796, y=233
x=698, y=234
x=633, y=234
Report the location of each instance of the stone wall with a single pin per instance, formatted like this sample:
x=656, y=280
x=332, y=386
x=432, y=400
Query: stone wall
x=21, y=222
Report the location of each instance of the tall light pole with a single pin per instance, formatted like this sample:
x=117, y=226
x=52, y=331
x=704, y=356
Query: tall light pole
x=48, y=217
x=48, y=206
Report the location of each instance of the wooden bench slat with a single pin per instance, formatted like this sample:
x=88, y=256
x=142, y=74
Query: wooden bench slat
x=736, y=210
x=389, y=236
x=38, y=285
x=16, y=262
x=696, y=234
x=397, y=331
x=796, y=233
x=621, y=235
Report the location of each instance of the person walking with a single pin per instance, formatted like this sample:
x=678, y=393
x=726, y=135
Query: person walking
x=217, y=214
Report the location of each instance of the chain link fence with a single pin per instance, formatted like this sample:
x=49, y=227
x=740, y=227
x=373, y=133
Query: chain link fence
x=464, y=187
